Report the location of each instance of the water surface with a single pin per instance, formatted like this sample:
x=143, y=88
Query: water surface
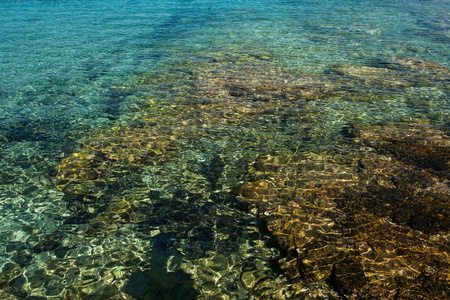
x=224, y=149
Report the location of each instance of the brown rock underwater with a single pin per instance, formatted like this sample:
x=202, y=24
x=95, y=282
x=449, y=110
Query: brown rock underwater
x=358, y=211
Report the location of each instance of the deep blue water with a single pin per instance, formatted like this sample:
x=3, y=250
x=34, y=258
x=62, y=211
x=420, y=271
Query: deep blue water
x=76, y=70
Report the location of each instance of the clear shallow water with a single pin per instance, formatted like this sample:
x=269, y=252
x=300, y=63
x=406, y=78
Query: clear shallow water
x=126, y=127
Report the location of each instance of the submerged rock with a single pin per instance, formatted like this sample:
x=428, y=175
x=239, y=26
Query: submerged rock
x=393, y=72
x=357, y=212
x=203, y=131
x=378, y=227
x=109, y=157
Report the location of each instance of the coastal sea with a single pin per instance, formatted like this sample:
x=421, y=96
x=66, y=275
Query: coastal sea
x=204, y=149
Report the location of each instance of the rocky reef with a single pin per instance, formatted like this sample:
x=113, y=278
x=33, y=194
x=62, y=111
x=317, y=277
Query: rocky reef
x=245, y=180
x=377, y=226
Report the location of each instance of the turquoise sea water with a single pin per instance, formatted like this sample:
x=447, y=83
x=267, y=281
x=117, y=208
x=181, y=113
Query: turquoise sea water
x=83, y=74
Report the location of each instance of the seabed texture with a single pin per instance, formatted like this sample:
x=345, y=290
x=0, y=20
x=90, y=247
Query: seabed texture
x=235, y=182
